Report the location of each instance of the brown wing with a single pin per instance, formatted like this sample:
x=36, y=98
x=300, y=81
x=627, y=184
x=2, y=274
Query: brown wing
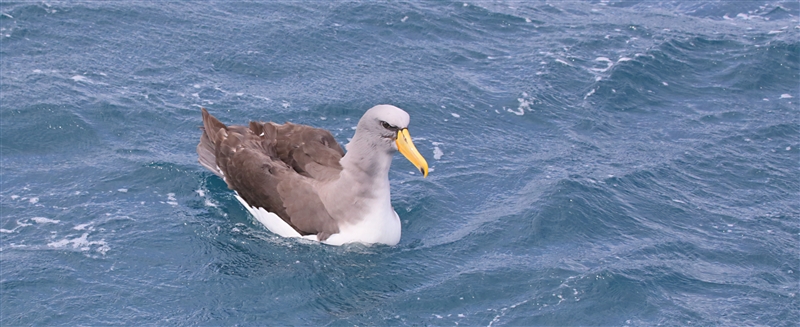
x=312, y=152
x=208, y=142
x=249, y=161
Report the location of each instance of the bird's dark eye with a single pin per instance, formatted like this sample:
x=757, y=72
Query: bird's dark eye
x=388, y=126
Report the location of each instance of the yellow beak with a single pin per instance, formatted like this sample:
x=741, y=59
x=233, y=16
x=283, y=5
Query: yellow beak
x=408, y=149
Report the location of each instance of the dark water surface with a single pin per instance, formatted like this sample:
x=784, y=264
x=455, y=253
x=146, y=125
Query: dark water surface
x=593, y=162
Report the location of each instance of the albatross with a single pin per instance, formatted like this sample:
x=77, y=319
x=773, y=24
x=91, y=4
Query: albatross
x=298, y=182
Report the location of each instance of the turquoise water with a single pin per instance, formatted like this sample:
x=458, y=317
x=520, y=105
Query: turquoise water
x=593, y=162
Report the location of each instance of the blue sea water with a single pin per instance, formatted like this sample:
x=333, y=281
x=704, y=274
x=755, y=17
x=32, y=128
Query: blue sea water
x=592, y=162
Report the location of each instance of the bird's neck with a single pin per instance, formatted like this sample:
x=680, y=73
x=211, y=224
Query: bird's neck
x=367, y=163
x=362, y=186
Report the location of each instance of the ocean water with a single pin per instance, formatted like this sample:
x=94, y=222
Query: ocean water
x=626, y=163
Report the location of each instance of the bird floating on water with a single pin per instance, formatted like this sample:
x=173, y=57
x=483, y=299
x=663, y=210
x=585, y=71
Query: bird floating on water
x=298, y=182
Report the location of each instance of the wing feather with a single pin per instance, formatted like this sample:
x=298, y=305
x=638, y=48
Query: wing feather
x=274, y=167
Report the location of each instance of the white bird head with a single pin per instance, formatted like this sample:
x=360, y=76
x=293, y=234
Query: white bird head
x=385, y=127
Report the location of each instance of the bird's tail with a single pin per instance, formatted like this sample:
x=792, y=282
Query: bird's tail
x=213, y=131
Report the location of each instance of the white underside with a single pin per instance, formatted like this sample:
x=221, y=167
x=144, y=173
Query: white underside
x=270, y=220
x=381, y=226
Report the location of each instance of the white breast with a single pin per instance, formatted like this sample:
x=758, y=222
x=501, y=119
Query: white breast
x=380, y=226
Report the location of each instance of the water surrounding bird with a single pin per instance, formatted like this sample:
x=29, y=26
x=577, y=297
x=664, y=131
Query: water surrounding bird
x=623, y=163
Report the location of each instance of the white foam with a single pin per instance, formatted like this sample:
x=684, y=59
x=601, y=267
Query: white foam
x=201, y=193
x=608, y=62
x=123, y=190
x=524, y=104
x=14, y=197
x=665, y=83
x=455, y=115
x=589, y=94
x=171, y=200
x=404, y=19
x=208, y=203
x=563, y=62
x=437, y=153
x=86, y=226
x=33, y=200
x=285, y=104
x=81, y=243
x=9, y=231
x=775, y=32
x=786, y=96
x=518, y=112
x=43, y=220
x=81, y=79
x=623, y=59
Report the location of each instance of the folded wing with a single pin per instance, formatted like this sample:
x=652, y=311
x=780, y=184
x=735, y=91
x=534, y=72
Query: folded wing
x=275, y=167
